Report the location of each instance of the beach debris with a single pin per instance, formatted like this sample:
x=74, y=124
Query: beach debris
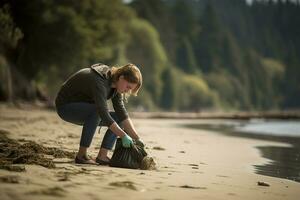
x=148, y=163
x=189, y=187
x=192, y=187
x=13, y=152
x=181, y=151
x=14, y=168
x=9, y=179
x=4, y=132
x=261, y=183
x=158, y=148
x=134, y=157
x=23, y=140
x=126, y=184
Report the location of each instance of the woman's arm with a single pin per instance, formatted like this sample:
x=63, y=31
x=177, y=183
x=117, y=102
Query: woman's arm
x=126, y=140
x=115, y=128
x=129, y=128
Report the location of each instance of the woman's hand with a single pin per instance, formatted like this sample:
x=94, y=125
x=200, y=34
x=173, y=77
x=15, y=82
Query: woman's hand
x=139, y=142
x=126, y=141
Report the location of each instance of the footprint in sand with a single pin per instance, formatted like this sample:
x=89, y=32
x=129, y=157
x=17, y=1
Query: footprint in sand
x=71, y=135
x=222, y=176
x=158, y=148
x=194, y=166
x=231, y=194
x=197, y=172
x=10, y=179
x=125, y=184
x=54, y=191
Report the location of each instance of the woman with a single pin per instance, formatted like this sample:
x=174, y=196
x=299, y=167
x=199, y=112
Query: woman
x=82, y=100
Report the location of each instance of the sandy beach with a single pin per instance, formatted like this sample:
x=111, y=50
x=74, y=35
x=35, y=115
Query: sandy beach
x=191, y=164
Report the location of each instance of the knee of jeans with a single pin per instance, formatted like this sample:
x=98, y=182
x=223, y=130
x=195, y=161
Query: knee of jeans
x=95, y=115
x=59, y=112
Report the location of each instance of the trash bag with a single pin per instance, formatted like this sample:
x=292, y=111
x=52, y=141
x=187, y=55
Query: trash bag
x=127, y=157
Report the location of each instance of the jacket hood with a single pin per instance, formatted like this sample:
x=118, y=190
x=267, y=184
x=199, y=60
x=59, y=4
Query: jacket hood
x=102, y=70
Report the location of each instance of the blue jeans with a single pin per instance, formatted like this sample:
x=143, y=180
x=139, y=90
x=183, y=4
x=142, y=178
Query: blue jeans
x=86, y=115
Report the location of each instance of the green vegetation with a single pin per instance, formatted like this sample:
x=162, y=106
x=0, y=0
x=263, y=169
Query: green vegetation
x=194, y=55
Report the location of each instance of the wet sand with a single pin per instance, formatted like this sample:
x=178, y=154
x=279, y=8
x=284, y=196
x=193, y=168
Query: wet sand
x=191, y=164
x=284, y=159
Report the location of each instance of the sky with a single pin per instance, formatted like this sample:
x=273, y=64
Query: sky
x=126, y=1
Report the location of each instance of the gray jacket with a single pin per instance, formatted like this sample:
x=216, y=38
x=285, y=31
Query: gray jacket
x=93, y=85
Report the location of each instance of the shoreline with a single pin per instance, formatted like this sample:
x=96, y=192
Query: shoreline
x=284, y=166
x=239, y=115
x=193, y=164
x=219, y=115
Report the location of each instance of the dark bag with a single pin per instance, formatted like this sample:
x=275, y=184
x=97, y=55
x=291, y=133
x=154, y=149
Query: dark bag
x=127, y=157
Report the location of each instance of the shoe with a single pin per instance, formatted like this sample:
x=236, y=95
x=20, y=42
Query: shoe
x=85, y=161
x=102, y=162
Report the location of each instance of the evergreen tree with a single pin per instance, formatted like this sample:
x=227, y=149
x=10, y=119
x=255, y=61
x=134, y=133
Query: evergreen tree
x=170, y=94
x=208, y=44
x=185, y=56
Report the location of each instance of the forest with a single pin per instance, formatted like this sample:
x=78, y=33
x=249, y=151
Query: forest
x=194, y=55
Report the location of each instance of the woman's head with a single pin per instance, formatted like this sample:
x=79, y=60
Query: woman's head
x=127, y=79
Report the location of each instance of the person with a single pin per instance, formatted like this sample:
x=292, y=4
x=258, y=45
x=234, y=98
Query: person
x=82, y=100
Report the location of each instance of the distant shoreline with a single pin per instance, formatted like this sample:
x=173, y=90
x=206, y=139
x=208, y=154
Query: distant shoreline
x=218, y=115
x=240, y=115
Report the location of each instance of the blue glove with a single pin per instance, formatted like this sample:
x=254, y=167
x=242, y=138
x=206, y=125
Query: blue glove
x=126, y=141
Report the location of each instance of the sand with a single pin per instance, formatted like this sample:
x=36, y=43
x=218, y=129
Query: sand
x=191, y=164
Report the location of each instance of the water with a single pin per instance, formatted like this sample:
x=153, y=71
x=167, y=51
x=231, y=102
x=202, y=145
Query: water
x=275, y=128
x=285, y=160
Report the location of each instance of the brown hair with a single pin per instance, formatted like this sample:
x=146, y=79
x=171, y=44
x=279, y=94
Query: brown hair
x=131, y=74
